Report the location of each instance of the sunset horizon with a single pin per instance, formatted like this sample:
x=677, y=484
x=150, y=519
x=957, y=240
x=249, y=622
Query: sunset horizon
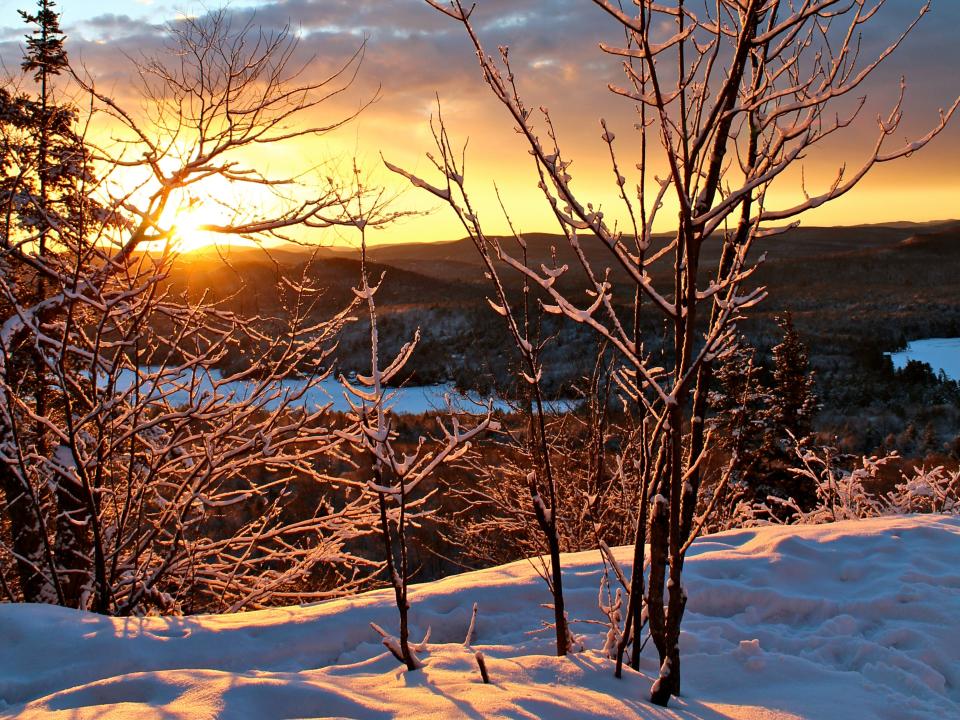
x=401, y=71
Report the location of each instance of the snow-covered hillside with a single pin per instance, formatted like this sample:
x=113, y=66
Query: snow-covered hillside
x=851, y=620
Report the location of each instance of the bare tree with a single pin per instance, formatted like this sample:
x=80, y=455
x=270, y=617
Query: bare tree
x=536, y=476
x=594, y=483
x=396, y=474
x=731, y=94
x=172, y=484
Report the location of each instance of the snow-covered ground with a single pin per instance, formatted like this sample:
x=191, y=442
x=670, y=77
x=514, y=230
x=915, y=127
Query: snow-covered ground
x=857, y=619
x=939, y=353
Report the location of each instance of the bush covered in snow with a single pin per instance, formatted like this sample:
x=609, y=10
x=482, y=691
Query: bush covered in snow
x=851, y=494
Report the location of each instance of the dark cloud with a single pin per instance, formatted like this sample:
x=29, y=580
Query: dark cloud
x=111, y=26
x=414, y=51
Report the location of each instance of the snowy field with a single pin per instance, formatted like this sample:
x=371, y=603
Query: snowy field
x=853, y=620
x=939, y=353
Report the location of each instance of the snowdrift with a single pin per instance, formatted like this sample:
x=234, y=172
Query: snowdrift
x=852, y=620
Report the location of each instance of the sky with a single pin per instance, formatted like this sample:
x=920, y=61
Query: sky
x=414, y=55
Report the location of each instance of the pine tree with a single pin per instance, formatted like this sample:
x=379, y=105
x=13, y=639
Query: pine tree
x=788, y=419
x=793, y=399
x=45, y=176
x=45, y=57
x=757, y=415
x=739, y=402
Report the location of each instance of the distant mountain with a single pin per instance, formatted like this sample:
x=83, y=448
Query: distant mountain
x=457, y=261
x=250, y=281
x=945, y=239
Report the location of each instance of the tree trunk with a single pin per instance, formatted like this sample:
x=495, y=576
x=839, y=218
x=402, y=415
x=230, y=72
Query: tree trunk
x=659, y=533
x=72, y=545
x=559, y=612
x=398, y=583
x=633, y=623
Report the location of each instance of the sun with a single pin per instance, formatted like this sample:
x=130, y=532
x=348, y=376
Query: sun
x=217, y=215
x=211, y=219
x=191, y=224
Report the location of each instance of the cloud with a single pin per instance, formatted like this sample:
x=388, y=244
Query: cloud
x=415, y=54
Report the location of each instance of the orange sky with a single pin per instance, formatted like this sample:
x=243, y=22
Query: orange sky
x=413, y=54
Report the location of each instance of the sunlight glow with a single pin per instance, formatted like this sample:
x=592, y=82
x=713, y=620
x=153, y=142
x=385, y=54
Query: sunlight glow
x=190, y=215
x=189, y=225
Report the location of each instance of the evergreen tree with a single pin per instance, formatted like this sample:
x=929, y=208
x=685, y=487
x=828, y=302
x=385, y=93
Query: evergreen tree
x=739, y=402
x=788, y=419
x=46, y=178
x=793, y=401
x=757, y=416
x=45, y=57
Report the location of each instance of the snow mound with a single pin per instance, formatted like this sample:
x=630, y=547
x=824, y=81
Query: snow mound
x=851, y=620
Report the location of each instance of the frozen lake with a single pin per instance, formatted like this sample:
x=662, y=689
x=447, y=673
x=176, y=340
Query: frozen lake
x=407, y=400
x=938, y=353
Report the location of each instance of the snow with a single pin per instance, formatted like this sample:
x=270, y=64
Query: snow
x=853, y=619
x=939, y=353
x=405, y=400
x=410, y=400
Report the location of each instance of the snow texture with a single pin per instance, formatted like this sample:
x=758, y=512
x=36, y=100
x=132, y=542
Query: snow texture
x=856, y=619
